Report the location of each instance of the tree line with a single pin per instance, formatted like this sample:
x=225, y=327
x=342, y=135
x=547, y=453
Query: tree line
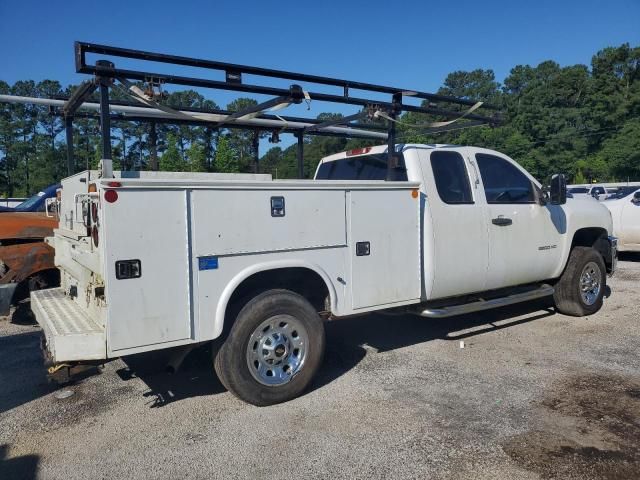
x=580, y=120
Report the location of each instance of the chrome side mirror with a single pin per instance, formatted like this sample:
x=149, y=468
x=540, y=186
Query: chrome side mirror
x=636, y=198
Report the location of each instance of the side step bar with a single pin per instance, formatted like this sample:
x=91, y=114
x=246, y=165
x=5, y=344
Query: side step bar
x=479, y=305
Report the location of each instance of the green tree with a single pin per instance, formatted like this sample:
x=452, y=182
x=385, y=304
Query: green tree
x=271, y=160
x=197, y=158
x=244, y=142
x=171, y=160
x=622, y=152
x=478, y=85
x=226, y=160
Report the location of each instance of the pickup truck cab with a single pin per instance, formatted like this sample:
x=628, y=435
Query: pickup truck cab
x=257, y=264
x=484, y=204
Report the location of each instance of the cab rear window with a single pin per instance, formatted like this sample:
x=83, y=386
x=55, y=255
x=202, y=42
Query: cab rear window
x=450, y=175
x=364, y=167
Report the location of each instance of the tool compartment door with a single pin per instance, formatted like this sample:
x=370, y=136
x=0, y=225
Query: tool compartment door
x=149, y=226
x=384, y=229
x=232, y=222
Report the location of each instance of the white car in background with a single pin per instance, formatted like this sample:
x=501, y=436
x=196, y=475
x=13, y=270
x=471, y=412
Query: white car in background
x=625, y=213
x=599, y=192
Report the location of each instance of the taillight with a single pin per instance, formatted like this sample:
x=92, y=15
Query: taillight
x=110, y=196
x=114, y=184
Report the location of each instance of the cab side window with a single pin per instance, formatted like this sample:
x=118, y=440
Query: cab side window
x=503, y=182
x=452, y=180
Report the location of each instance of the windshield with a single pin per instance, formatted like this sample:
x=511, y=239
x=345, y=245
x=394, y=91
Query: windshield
x=364, y=167
x=578, y=190
x=30, y=202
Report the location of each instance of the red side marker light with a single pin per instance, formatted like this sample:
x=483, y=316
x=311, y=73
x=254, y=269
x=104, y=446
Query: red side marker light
x=110, y=196
x=114, y=184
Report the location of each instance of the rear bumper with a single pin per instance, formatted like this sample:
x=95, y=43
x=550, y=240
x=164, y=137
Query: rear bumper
x=71, y=336
x=6, y=295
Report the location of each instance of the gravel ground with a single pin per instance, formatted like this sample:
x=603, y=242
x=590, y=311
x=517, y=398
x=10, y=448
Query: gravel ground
x=533, y=394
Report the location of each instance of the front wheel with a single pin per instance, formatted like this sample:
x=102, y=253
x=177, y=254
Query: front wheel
x=581, y=287
x=273, y=350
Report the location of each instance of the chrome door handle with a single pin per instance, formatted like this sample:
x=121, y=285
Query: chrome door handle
x=502, y=221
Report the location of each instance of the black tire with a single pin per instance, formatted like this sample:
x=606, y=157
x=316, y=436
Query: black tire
x=568, y=294
x=231, y=361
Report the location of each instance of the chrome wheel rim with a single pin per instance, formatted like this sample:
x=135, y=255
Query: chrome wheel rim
x=590, y=283
x=277, y=349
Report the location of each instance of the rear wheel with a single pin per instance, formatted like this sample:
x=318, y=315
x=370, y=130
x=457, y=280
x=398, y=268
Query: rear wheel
x=273, y=350
x=581, y=287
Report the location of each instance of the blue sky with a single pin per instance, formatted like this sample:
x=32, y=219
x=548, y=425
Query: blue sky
x=411, y=44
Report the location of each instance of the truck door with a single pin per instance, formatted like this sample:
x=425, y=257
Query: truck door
x=524, y=236
x=455, y=231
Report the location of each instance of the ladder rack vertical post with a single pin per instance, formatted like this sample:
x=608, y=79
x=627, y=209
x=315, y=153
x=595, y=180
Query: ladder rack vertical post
x=68, y=126
x=391, y=148
x=300, y=155
x=391, y=139
x=256, y=151
x=105, y=120
x=153, y=147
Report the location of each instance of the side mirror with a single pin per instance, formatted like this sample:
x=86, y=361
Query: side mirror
x=558, y=189
x=636, y=197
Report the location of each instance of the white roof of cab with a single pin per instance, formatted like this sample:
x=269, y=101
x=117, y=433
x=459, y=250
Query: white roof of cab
x=378, y=149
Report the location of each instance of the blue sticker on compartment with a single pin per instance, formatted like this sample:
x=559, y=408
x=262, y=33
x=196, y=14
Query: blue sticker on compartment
x=207, y=263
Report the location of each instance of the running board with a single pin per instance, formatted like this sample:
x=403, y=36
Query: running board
x=479, y=305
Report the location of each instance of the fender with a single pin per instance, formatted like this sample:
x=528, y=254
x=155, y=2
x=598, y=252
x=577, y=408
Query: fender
x=263, y=267
x=582, y=214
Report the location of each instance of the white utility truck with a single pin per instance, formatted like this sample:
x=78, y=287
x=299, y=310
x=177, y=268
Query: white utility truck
x=154, y=260
x=174, y=261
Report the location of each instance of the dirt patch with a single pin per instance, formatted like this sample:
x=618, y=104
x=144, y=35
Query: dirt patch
x=589, y=428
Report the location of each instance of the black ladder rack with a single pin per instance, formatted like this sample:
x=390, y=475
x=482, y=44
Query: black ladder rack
x=105, y=74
